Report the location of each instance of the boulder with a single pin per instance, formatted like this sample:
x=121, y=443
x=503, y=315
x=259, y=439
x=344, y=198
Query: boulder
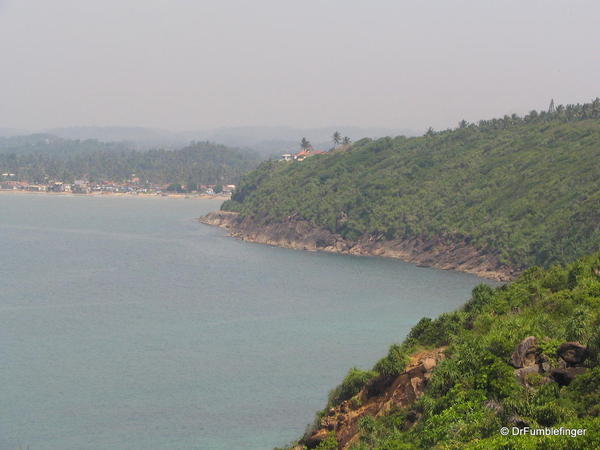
x=524, y=371
x=316, y=438
x=525, y=354
x=573, y=353
x=518, y=421
x=429, y=363
x=417, y=385
x=565, y=376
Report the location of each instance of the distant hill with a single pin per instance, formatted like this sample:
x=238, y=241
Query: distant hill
x=520, y=190
x=268, y=141
x=53, y=145
x=40, y=158
x=6, y=132
x=278, y=140
x=140, y=138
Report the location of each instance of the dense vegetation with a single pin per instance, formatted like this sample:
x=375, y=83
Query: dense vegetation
x=474, y=391
x=43, y=158
x=524, y=188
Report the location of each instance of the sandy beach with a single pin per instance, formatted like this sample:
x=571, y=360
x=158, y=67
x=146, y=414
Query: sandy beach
x=120, y=194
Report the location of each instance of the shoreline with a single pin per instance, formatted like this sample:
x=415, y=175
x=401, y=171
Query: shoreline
x=120, y=195
x=301, y=235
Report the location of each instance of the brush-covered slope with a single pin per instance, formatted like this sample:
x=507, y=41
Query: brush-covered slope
x=526, y=190
x=526, y=354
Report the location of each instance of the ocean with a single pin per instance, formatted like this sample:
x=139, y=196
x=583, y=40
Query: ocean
x=126, y=324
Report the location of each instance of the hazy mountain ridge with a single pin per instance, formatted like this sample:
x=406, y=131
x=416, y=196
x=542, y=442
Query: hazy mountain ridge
x=266, y=140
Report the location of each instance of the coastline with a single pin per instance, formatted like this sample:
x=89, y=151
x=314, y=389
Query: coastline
x=302, y=235
x=120, y=194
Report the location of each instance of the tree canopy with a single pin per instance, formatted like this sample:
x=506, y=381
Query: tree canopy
x=526, y=188
x=44, y=159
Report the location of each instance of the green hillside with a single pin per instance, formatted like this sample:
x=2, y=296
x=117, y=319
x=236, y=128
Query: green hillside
x=475, y=390
x=526, y=189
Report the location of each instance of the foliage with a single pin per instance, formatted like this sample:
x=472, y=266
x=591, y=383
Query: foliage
x=352, y=384
x=394, y=363
x=51, y=159
x=578, y=325
x=522, y=188
x=474, y=391
x=584, y=393
x=328, y=444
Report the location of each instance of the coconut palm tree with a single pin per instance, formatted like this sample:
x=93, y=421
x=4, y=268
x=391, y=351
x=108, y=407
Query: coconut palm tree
x=346, y=140
x=336, y=138
x=305, y=144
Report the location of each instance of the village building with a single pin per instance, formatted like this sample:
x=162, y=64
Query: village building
x=36, y=188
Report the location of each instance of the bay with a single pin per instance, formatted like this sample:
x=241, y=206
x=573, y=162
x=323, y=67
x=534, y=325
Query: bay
x=124, y=323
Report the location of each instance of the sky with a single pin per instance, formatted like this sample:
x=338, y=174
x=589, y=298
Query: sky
x=198, y=64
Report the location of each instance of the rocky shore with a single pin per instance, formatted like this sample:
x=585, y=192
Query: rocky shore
x=301, y=235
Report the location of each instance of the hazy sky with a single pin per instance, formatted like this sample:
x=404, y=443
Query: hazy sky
x=195, y=64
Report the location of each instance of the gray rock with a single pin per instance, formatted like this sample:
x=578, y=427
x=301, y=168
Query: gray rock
x=565, y=376
x=523, y=372
x=573, y=353
x=525, y=354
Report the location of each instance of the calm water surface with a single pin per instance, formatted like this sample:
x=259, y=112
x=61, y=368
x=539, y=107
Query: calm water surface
x=124, y=323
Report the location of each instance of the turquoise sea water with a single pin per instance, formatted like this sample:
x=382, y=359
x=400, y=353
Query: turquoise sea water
x=126, y=324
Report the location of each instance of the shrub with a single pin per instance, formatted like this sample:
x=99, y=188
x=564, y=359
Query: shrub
x=481, y=296
x=593, y=346
x=350, y=386
x=549, y=348
x=577, y=327
x=555, y=279
x=583, y=393
x=330, y=443
x=394, y=363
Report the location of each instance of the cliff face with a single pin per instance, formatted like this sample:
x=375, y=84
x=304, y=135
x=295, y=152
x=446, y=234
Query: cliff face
x=302, y=235
x=377, y=398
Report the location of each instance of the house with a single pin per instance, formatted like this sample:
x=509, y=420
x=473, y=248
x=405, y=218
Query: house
x=36, y=188
x=302, y=155
x=287, y=157
x=11, y=185
x=81, y=187
x=57, y=186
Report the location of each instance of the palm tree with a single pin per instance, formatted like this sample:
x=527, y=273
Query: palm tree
x=305, y=144
x=346, y=140
x=336, y=138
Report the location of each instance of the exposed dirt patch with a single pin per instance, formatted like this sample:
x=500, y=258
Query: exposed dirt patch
x=377, y=398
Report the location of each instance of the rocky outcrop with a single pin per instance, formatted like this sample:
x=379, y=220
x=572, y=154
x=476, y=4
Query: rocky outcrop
x=573, y=353
x=566, y=375
x=529, y=360
x=441, y=253
x=377, y=398
x=525, y=354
